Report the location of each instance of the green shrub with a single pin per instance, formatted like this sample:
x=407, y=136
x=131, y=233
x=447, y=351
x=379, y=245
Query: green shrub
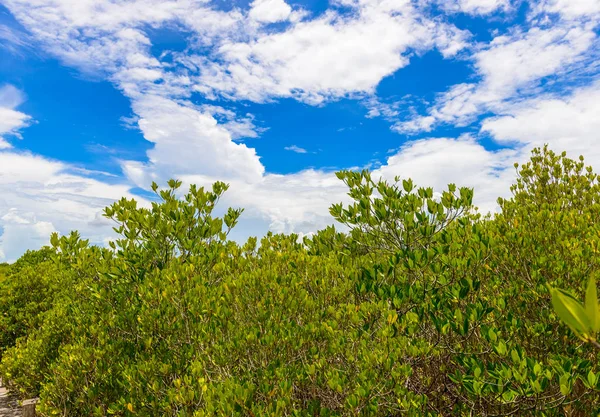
x=424, y=308
x=27, y=288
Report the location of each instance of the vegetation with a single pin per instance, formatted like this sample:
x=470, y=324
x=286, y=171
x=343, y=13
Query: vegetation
x=423, y=308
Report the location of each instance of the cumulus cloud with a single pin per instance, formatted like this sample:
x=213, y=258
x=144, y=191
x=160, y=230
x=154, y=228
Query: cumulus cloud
x=239, y=126
x=187, y=141
x=296, y=202
x=436, y=162
x=570, y=9
x=566, y=123
x=39, y=196
x=10, y=96
x=312, y=60
x=22, y=233
x=475, y=7
x=269, y=11
x=11, y=120
x=4, y=144
x=510, y=68
x=327, y=57
x=240, y=55
x=103, y=36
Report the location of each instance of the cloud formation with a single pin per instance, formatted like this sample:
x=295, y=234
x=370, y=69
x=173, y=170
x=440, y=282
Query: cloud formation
x=325, y=58
x=510, y=68
x=568, y=123
x=11, y=120
x=39, y=196
x=296, y=149
x=521, y=91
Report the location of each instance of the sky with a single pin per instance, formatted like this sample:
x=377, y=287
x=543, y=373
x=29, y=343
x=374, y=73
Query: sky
x=98, y=98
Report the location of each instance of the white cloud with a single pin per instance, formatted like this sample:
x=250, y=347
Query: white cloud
x=188, y=141
x=475, y=7
x=4, y=144
x=102, y=36
x=511, y=62
x=377, y=108
x=436, y=162
x=483, y=6
x=567, y=124
x=570, y=9
x=289, y=203
x=295, y=148
x=10, y=96
x=314, y=60
x=20, y=234
x=510, y=68
x=14, y=41
x=325, y=58
x=330, y=56
x=269, y=11
x=11, y=121
x=239, y=127
x=39, y=196
x=415, y=125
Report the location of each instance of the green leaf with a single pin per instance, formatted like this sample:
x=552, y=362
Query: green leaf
x=591, y=305
x=515, y=356
x=353, y=401
x=501, y=348
x=591, y=377
x=570, y=311
x=431, y=207
x=565, y=385
x=54, y=239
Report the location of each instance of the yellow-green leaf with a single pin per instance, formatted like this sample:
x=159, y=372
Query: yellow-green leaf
x=591, y=377
x=570, y=311
x=591, y=305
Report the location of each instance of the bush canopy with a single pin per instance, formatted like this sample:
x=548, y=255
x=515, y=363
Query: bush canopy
x=421, y=307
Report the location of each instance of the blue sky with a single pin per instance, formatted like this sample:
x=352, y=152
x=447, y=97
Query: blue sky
x=99, y=98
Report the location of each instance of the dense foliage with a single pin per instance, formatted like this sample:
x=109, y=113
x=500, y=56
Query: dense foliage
x=422, y=308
